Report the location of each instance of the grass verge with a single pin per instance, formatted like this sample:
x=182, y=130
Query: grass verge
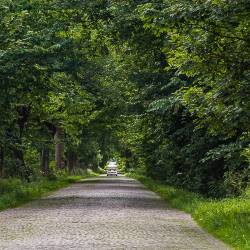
x=227, y=219
x=14, y=192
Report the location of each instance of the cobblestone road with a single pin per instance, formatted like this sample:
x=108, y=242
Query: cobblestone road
x=101, y=213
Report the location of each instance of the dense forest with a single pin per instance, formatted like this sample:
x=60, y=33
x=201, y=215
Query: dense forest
x=162, y=85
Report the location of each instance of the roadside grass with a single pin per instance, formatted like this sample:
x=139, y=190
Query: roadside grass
x=227, y=219
x=14, y=192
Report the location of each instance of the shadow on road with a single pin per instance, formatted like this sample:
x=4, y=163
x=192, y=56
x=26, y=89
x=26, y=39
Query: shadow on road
x=97, y=202
x=103, y=192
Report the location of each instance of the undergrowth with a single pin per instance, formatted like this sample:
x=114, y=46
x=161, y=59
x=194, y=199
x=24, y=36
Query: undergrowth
x=14, y=192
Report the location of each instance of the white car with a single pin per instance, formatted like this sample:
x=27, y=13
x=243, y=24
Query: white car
x=112, y=172
x=112, y=164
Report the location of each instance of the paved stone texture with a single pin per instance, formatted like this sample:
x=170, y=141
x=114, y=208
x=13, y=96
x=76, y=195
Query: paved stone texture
x=102, y=213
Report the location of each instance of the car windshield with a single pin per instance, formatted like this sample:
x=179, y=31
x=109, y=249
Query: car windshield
x=112, y=163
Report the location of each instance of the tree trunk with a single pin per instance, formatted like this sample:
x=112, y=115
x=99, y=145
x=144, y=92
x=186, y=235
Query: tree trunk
x=45, y=161
x=23, y=171
x=72, y=160
x=1, y=161
x=58, y=147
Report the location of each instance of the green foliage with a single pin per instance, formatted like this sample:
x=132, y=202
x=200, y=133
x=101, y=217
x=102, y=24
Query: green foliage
x=187, y=121
x=51, y=66
x=162, y=84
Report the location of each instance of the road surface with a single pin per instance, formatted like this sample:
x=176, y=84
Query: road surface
x=102, y=213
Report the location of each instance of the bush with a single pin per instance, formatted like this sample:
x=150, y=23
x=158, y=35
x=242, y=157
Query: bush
x=9, y=185
x=101, y=170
